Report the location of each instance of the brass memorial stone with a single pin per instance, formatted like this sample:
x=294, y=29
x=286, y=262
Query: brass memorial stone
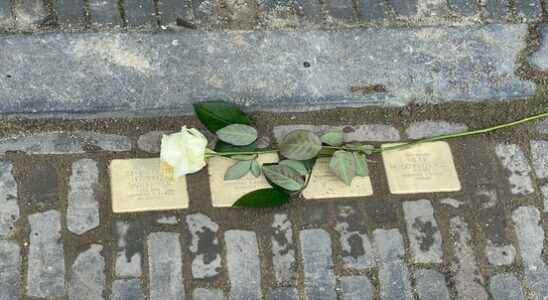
x=325, y=184
x=225, y=192
x=423, y=168
x=142, y=185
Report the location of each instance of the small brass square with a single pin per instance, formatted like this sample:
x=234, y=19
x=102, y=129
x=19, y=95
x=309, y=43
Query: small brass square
x=423, y=168
x=224, y=193
x=143, y=185
x=325, y=184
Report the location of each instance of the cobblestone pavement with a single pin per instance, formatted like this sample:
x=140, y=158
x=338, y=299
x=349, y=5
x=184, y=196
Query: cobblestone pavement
x=60, y=240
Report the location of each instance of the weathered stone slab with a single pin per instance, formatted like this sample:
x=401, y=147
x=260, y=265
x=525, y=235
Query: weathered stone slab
x=530, y=235
x=529, y=10
x=127, y=289
x=9, y=209
x=505, y=287
x=208, y=294
x=283, y=294
x=514, y=161
x=373, y=10
x=423, y=129
x=544, y=190
x=83, y=206
x=319, y=278
x=356, y=288
x=170, y=10
x=423, y=231
x=357, y=250
x=468, y=279
x=432, y=8
x=542, y=126
x=104, y=12
x=431, y=285
x=46, y=271
x=393, y=273
x=92, y=72
x=64, y=142
x=139, y=12
x=10, y=270
x=339, y=9
x=128, y=256
x=283, y=250
x=244, y=267
x=464, y=7
x=539, y=153
x=87, y=278
x=165, y=266
x=404, y=8
x=497, y=10
x=204, y=246
x=6, y=20
x=308, y=9
x=30, y=14
x=70, y=12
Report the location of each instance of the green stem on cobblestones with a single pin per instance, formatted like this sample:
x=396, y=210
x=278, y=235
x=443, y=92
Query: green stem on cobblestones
x=408, y=144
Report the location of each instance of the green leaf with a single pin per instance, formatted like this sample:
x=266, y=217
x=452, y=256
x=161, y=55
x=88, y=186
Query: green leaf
x=238, y=170
x=367, y=149
x=244, y=157
x=263, y=198
x=300, y=145
x=284, y=177
x=361, y=164
x=255, y=168
x=218, y=114
x=221, y=147
x=343, y=165
x=295, y=165
x=237, y=134
x=333, y=138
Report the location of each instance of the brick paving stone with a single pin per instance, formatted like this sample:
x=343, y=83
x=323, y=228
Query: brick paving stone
x=87, y=276
x=423, y=231
x=6, y=19
x=203, y=9
x=165, y=266
x=539, y=153
x=539, y=59
x=514, y=161
x=468, y=280
x=423, y=129
x=139, y=12
x=505, y=287
x=393, y=273
x=244, y=271
x=529, y=10
x=170, y=10
x=542, y=126
x=83, y=206
x=464, y=7
x=46, y=260
x=64, y=143
x=127, y=289
x=309, y=8
x=43, y=186
x=497, y=9
x=431, y=285
x=104, y=12
x=372, y=10
x=204, y=246
x=404, y=8
x=10, y=270
x=499, y=255
x=544, y=190
x=167, y=219
x=151, y=141
x=319, y=277
x=208, y=294
x=432, y=8
x=283, y=250
x=29, y=14
x=530, y=236
x=139, y=62
x=339, y=9
x=356, y=288
x=9, y=212
x=360, y=133
x=128, y=263
x=70, y=12
x=283, y=294
x=357, y=250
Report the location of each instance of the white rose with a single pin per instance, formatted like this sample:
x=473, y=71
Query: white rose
x=184, y=151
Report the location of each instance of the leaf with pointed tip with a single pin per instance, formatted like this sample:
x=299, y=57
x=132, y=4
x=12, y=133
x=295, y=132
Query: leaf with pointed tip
x=295, y=165
x=284, y=177
x=333, y=138
x=218, y=114
x=263, y=198
x=222, y=147
x=255, y=168
x=237, y=134
x=238, y=170
x=361, y=164
x=343, y=165
x=300, y=145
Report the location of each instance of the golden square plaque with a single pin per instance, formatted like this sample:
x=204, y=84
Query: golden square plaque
x=225, y=192
x=142, y=185
x=325, y=184
x=423, y=168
